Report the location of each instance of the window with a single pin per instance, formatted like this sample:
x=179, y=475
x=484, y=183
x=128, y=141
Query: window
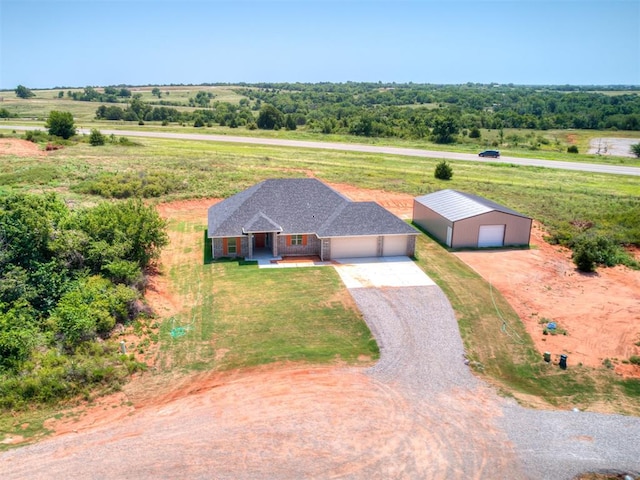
x=297, y=240
x=232, y=247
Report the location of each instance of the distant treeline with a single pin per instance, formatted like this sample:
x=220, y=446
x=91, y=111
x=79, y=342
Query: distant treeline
x=402, y=110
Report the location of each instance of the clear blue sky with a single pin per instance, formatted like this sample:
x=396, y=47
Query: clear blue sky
x=91, y=42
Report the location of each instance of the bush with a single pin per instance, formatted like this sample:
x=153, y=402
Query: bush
x=96, y=138
x=592, y=250
x=572, y=149
x=127, y=185
x=635, y=149
x=474, y=133
x=60, y=124
x=634, y=359
x=443, y=171
x=36, y=136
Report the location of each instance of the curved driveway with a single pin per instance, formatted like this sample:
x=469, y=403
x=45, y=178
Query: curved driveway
x=408, y=152
x=422, y=356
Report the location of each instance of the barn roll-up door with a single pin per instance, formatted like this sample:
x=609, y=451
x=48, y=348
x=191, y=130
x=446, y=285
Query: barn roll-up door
x=491, y=236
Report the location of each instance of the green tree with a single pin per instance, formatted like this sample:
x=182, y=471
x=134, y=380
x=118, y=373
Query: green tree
x=475, y=133
x=443, y=171
x=122, y=231
x=24, y=92
x=290, y=122
x=444, y=129
x=92, y=308
x=591, y=250
x=96, y=138
x=156, y=91
x=270, y=118
x=61, y=124
x=635, y=149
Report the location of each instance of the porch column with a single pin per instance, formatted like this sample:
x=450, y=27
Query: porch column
x=274, y=241
x=250, y=247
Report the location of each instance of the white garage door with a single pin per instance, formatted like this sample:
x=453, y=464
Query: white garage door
x=354, y=247
x=491, y=236
x=394, y=246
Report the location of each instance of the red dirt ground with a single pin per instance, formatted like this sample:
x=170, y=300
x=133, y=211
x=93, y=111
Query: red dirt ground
x=20, y=148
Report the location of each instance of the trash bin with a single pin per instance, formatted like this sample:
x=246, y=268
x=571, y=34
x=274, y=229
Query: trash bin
x=547, y=357
x=563, y=362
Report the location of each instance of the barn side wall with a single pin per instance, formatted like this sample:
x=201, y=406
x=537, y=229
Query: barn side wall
x=429, y=220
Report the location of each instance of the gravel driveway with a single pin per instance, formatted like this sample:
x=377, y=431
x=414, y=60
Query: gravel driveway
x=421, y=353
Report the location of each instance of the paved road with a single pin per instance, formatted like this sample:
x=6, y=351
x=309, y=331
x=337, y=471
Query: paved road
x=409, y=152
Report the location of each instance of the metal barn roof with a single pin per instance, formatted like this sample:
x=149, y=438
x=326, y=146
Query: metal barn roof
x=454, y=205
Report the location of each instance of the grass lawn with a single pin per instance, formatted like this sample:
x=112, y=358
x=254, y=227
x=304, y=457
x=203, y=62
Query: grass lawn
x=236, y=315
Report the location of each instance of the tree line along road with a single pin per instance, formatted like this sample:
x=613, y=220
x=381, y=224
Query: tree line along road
x=409, y=152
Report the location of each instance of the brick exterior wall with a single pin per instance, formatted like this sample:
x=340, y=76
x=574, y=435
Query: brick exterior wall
x=311, y=248
x=218, y=248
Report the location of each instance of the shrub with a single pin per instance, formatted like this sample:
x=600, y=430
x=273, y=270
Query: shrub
x=572, y=149
x=635, y=149
x=474, y=133
x=592, y=250
x=126, y=185
x=634, y=359
x=443, y=171
x=36, y=136
x=96, y=138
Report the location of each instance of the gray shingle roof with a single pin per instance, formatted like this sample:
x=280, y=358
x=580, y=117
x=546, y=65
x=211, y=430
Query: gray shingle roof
x=364, y=218
x=454, y=205
x=300, y=206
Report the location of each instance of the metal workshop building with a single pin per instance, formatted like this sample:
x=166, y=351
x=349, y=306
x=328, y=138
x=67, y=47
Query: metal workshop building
x=462, y=220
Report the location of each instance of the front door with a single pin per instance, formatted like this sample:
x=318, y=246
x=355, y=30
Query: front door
x=259, y=239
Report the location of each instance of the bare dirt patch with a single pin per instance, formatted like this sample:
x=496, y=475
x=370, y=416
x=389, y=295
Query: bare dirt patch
x=20, y=148
x=599, y=312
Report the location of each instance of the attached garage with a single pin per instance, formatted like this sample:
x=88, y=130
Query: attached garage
x=394, y=246
x=462, y=220
x=354, y=247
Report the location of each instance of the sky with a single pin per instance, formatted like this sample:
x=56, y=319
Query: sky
x=55, y=43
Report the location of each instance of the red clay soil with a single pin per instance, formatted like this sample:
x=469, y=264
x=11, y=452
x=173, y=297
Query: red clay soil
x=20, y=148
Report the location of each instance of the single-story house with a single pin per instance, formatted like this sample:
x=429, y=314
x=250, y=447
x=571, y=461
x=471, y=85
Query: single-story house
x=304, y=217
x=461, y=220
